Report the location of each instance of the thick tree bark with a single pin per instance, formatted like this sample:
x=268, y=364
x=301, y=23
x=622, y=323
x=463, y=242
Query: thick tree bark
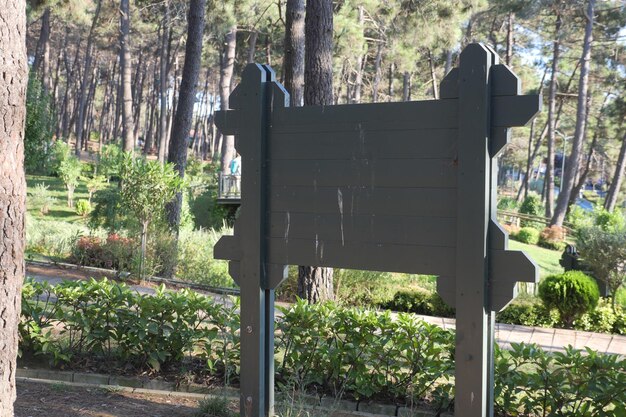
x=571, y=170
x=406, y=86
x=549, y=178
x=186, y=100
x=618, y=178
x=315, y=284
x=128, y=124
x=84, y=84
x=318, y=69
x=294, y=52
x=12, y=190
x=227, y=64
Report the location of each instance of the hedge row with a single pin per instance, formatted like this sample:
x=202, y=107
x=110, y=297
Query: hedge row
x=321, y=348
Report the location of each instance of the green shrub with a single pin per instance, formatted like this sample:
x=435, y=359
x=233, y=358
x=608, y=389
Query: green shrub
x=527, y=235
x=572, y=293
x=533, y=206
x=60, y=152
x=553, y=238
x=39, y=127
x=580, y=218
x=110, y=161
x=609, y=220
x=605, y=253
x=528, y=312
x=69, y=171
x=419, y=302
x=83, y=208
x=508, y=204
x=605, y=318
x=51, y=237
x=41, y=198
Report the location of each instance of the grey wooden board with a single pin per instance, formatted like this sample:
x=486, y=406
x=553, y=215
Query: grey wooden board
x=363, y=143
x=422, y=202
x=375, y=173
x=382, y=229
x=427, y=114
x=432, y=260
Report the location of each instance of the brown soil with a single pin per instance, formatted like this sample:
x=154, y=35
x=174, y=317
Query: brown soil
x=58, y=400
x=65, y=273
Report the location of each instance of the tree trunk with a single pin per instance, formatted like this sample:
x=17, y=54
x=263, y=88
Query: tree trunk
x=406, y=86
x=318, y=69
x=13, y=185
x=41, y=64
x=226, y=74
x=377, y=62
x=315, y=284
x=448, y=66
x=618, y=178
x=360, y=62
x=509, y=38
x=294, y=52
x=128, y=124
x=549, y=178
x=571, y=170
x=163, y=76
x=186, y=100
x=254, y=35
x=390, y=91
x=433, y=76
x=82, y=94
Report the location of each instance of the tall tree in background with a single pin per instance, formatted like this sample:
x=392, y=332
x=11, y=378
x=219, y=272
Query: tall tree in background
x=568, y=177
x=227, y=65
x=12, y=190
x=41, y=65
x=549, y=178
x=186, y=101
x=315, y=284
x=128, y=125
x=84, y=81
x=164, y=67
x=294, y=51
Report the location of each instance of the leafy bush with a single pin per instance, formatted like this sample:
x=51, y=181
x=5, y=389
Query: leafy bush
x=533, y=206
x=580, y=218
x=604, y=318
x=60, y=152
x=605, y=253
x=609, y=221
x=110, y=161
x=532, y=382
x=419, y=302
x=41, y=198
x=508, y=204
x=83, y=208
x=69, y=171
x=572, y=293
x=39, y=126
x=528, y=312
x=527, y=235
x=114, y=252
x=52, y=238
x=94, y=184
x=552, y=237
x=323, y=348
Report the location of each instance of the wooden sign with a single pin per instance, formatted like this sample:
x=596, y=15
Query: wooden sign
x=400, y=187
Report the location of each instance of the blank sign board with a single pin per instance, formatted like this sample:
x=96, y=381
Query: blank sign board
x=401, y=187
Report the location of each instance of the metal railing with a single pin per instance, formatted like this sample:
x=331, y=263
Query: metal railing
x=229, y=186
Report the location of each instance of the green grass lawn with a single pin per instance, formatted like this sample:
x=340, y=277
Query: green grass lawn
x=59, y=210
x=548, y=260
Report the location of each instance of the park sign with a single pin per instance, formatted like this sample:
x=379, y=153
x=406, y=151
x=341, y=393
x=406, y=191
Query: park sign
x=400, y=187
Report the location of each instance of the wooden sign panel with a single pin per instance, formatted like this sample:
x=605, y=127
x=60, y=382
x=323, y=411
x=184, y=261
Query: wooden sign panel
x=401, y=187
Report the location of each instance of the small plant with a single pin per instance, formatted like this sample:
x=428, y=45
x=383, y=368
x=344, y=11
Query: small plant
x=83, y=208
x=508, y=204
x=216, y=407
x=552, y=237
x=69, y=171
x=533, y=206
x=572, y=293
x=528, y=235
x=60, y=152
x=110, y=161
x=94, y=184
x=41, y=198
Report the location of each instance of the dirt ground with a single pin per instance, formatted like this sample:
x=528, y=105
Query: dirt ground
x=58, y=400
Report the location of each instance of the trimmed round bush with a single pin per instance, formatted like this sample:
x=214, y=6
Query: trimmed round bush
x=572, y=293
x=527, y=235
x=83, y=208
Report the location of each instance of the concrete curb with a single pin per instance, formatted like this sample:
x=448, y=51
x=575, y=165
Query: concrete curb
x=329, y=406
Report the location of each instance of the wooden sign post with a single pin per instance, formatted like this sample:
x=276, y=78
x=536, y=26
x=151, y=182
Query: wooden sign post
x=400, y=187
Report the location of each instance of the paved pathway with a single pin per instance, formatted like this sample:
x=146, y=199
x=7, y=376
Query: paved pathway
x=553, y=340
